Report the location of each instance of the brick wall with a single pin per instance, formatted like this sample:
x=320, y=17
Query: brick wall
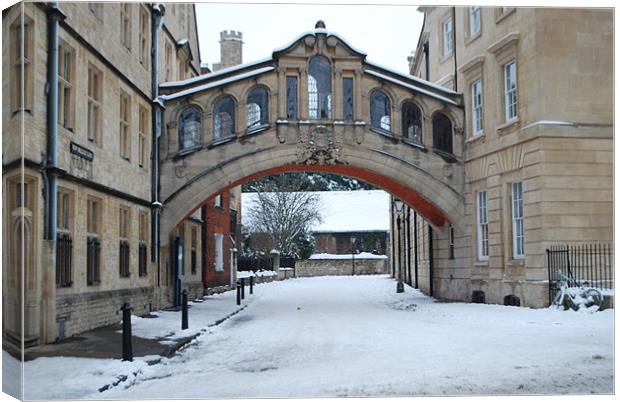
x=218, y=221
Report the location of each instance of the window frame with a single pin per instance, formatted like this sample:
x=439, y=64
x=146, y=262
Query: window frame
x=446, y=145
x=218, y=260
x=381, y=124
x=447, y=43
x=517, y=220
x=509, y=106
x=22, y=68
x=217, y=132
x=292, y=104
x=482, y=225
x=262, y=104
x=125, y=118
x=66, y=77
x=320, y=70
x=94, y=102
x=405, y=127
x=125, y=26
x=472, y=11
x=477, y=106
x=191, y=114
x=143, y=128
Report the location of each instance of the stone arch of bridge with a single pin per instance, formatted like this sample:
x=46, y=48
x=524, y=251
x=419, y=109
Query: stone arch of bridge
x=437, y=202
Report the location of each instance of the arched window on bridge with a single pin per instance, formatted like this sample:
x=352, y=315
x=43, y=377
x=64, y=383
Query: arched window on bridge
x=257, y=107
x=380, y=117
x=412, y=122
x=320, y=88
x=442, y=133
x=190, y=128
x=223, y=118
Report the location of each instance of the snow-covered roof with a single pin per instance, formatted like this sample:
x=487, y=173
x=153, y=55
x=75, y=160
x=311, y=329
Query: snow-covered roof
x=410, y=86
x=345, y=211
x=314, y=32
x=216, y=83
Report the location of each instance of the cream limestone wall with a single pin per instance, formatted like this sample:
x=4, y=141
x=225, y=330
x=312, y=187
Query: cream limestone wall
x=559, y=146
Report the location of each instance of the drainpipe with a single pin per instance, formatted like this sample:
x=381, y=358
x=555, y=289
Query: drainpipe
x=415, y=247
x=430, y=259
x=454, y=45
x=51, y=163
x=409, y=245
x=158, y=11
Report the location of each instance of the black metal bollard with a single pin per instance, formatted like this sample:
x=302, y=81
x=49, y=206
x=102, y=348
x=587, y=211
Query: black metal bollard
x=127, y=339
x=238, y=293
x=251, y=285
x=242, y=288
x=184, y=321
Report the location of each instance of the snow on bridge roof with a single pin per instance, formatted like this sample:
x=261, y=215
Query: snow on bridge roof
x=345, y=211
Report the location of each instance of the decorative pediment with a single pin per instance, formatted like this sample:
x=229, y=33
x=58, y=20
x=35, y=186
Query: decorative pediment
x=321, y=40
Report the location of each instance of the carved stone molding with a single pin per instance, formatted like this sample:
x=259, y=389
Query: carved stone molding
x=318, y=146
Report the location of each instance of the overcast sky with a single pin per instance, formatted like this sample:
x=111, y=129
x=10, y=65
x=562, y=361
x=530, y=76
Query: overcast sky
x=387, y=34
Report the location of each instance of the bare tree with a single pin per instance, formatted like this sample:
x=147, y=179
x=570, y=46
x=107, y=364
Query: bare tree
x=285, y=216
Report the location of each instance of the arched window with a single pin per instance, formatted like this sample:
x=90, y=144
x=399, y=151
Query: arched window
x=442, y=133
x=190, y=128
x=412, y=122
x=380, y=111
x=320, y=88
x=224, y=118
x=257, y=107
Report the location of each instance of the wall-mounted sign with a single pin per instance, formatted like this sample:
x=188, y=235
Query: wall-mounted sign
x=81, y=151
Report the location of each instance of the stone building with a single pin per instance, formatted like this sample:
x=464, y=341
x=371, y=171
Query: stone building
x=537, y=146
x=78, y=139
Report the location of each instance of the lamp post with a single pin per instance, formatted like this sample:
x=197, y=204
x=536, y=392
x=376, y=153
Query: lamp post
x=353, y=254
x=400, y=287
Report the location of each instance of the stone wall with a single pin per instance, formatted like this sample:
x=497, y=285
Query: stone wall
x=85, y=311
x=308, y=268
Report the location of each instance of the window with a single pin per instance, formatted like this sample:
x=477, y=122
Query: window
x=510, y=91
x=126, y=25
x=190, y=128
x=143, y=228
x=219, y=252
x=21, y=65
x=412, y=122
x=347, y=99
x=451, y=242
x=144, y=36
x=257, y=107
x=380, y=111
x=320, y=88
x=66, y=101
x=123, y=234
x=476, y=103
x=442, y=133
x=193, y=253
x=94, y=104
x=224, y=118
x=64, y=242
x=97, y=9
x=518, y=250
x=168, y=60
x=218, y=200
x=291, y=98
x=483, y=226
x=125, y=126
x=474, y=20
x=446, y=28
x=93, y=244
x=142, y=136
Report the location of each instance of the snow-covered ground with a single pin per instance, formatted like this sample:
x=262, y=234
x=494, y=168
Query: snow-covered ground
x=361, y=256
x=354, y=336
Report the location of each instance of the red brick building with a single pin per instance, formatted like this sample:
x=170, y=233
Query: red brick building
x=219, y=241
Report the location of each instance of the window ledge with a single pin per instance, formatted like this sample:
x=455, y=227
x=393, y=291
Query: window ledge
x=502, y=16
x=222, y=140
x=257, y=129
x=186, y=151
x=509, y=124
x=481, y=263
x=477, y=137
x=414, y=144
x=383, y=132
x=447, y=156
x=446, y=57
x=516, y=262
x=473, y=37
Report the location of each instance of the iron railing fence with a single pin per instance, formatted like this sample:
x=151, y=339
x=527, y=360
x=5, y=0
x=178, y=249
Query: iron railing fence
x=93, y=250
x=254, y=263
x=142, y=259
x=589, y=265
x=64, y=254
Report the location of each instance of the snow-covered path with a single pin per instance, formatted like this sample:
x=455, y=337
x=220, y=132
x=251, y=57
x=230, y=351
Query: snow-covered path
x=355, y=336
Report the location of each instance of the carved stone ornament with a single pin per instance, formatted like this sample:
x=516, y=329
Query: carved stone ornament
x=318, y=147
